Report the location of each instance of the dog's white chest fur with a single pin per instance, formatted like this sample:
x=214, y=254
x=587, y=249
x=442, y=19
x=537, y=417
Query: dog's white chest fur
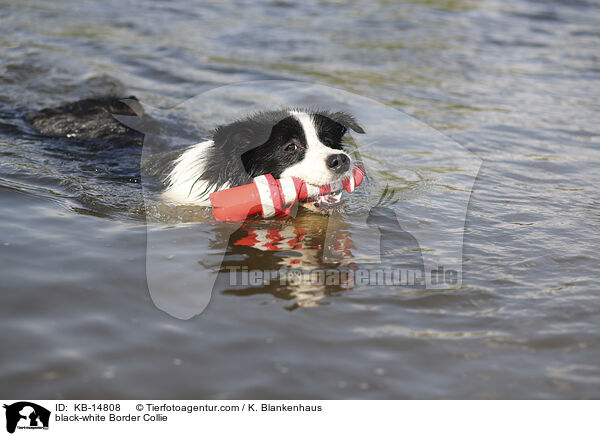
x=183, y=183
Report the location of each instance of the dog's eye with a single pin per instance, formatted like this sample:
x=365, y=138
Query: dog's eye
x=291, y=147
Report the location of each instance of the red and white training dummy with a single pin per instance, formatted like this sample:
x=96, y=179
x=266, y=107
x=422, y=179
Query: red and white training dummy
x=268, y=197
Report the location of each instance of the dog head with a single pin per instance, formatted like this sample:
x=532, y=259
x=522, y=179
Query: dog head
x=291, y=143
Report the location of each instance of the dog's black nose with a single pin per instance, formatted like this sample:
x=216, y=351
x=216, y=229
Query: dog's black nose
x=338, y=163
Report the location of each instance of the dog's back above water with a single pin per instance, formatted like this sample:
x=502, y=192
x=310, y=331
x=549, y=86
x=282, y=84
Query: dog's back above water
x=90, y=119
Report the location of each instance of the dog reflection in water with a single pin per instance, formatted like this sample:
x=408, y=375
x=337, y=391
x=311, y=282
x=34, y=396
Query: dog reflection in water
x=298, y=245
x=295, y=249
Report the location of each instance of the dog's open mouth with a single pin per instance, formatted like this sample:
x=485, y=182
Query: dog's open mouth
x=326, y=201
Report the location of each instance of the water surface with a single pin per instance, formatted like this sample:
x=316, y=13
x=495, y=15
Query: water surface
x=516, y=83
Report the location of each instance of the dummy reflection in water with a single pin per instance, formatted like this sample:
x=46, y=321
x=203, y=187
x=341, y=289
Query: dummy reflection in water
x=295, y=259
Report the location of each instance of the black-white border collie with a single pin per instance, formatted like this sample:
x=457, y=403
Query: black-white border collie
x=286, y=143
x=301, y=143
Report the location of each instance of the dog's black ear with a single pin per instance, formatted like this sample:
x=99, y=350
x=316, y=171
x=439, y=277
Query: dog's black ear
x=347, y=121
x=241, y=136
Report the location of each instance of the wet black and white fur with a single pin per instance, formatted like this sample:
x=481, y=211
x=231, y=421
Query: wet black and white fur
x=286, y=143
